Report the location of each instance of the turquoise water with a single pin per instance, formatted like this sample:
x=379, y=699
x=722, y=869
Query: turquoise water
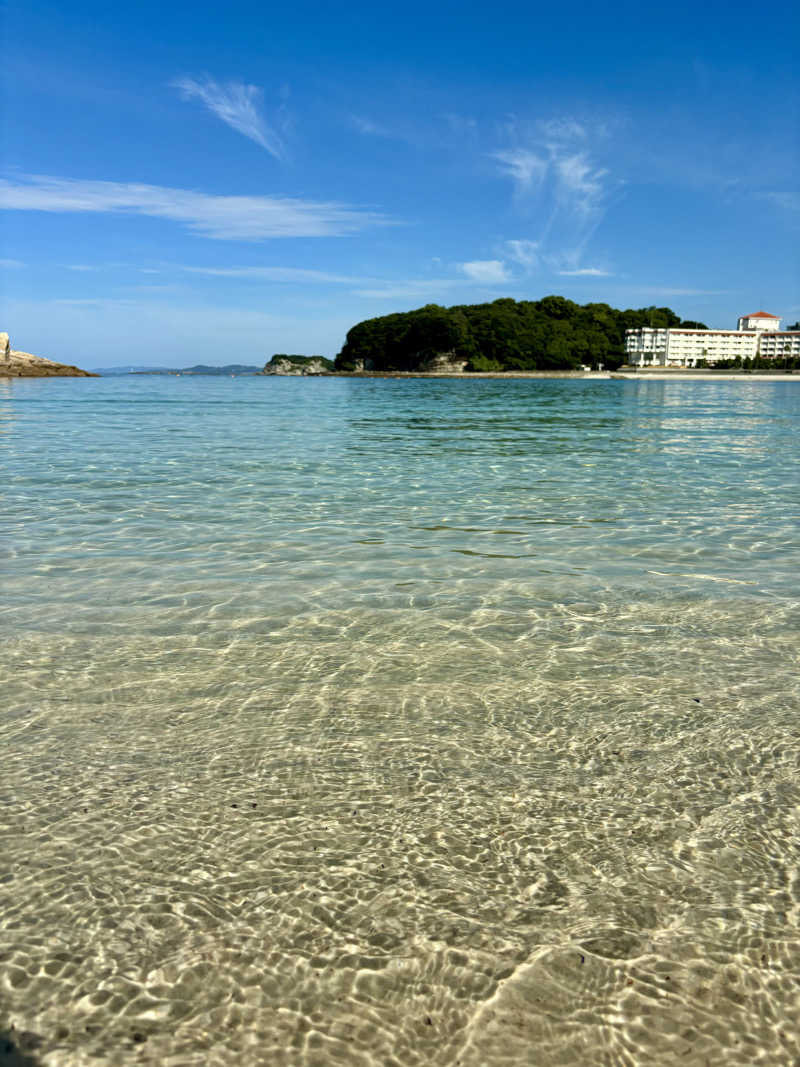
x=400, y=722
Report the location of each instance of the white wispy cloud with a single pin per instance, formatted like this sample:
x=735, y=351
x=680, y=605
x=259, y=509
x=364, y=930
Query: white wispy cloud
x=558, y=183
x=482, y=273
x=526, y=253
x=254, y=272
x=11, y=264
x=579, y=184
x=85, y=268
x=279, y=274
x=237, y=104
x=576, y=184
x=243, y=218
x=168, y=287
x=424, y=289
x=486, y=271
x=585, y=272
x=428, y=289
x=562, y=128
x=528, y=169
x=95, y=301
x=529, y=254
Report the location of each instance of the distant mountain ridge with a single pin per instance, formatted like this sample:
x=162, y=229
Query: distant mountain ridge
x=199, y=369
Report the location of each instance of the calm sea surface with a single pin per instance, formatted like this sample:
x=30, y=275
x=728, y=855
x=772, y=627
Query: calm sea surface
x=400, y=722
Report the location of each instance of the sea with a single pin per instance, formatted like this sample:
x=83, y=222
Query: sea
x=399, y=722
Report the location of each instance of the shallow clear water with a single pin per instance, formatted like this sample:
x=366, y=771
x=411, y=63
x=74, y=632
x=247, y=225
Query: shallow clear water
x=400, y=722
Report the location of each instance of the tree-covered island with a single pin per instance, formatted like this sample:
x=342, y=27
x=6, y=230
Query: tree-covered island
x=552, y=334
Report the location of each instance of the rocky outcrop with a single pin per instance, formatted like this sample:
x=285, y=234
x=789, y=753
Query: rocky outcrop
x=15, y=364
x=442, y=363
x=298, y=365
x=436, y=363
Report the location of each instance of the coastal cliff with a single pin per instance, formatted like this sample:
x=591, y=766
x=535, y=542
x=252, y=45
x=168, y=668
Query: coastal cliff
x=15, y=364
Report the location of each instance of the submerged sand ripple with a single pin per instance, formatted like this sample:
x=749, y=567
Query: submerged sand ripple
x=565, y=859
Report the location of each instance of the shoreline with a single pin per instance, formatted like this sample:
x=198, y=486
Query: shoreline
x=704, y=376
x=616, y=375
x=47, y=369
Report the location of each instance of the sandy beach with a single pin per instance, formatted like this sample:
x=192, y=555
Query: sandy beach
x=617, y=375
x=692, y=376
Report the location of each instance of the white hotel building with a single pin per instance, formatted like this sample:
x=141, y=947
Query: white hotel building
x=758, y=334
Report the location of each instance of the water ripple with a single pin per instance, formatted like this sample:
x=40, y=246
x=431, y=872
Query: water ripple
x=442, y=723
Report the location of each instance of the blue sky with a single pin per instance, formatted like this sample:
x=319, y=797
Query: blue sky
x=189, y=183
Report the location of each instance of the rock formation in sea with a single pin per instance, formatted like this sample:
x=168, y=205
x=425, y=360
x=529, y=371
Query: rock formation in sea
x=15, y=364
x=298, y=365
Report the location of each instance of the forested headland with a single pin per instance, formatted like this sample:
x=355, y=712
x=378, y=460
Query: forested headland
x=506, y=335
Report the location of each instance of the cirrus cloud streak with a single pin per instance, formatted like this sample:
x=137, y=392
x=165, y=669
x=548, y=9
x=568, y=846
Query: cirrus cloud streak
x=238, y=105
x=238, y=218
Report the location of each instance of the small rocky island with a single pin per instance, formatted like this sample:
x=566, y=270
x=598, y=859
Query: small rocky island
x=298, y=365
x=15, y=364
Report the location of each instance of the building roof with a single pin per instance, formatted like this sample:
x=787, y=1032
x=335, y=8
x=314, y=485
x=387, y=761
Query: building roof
x=760, y=315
